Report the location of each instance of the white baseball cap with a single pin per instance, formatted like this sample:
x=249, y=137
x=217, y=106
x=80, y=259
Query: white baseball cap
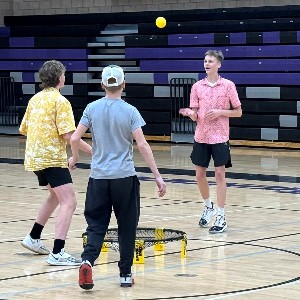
x=112, y=75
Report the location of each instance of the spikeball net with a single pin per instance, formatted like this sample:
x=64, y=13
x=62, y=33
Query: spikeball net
x=149, y=236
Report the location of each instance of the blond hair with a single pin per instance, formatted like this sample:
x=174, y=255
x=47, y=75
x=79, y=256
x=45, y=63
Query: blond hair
x=215, y=53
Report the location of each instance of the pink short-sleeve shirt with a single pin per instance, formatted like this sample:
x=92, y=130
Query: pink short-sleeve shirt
x=205, y=97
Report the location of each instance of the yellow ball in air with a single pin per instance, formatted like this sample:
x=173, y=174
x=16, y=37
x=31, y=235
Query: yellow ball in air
x=161, y=22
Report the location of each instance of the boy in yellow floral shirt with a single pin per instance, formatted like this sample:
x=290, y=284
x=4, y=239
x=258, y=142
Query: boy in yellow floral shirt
x=48, y=124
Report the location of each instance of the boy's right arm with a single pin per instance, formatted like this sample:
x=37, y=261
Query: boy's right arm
x=78, y=144
x=83, y=146
x=23, y=126
x=147, y=154
x=188, y=112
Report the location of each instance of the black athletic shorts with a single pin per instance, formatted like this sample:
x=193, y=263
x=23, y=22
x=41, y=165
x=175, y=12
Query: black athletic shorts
x=54, y=176
x=220, y=153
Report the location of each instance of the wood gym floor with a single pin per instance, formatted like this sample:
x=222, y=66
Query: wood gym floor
x=257, y=257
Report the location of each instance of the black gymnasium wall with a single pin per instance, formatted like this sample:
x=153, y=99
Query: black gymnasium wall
x=261, y=48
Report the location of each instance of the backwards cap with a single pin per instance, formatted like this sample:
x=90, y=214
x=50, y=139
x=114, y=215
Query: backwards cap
x=112, y=72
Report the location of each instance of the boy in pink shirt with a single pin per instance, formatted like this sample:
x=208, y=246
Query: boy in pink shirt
x=213, y=101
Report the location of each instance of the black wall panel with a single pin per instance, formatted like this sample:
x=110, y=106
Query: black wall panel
x=162, y=104
x=289, y=92
x=4, y=74
x=78, y=101
x=4, y=42
x=269, y=106
x=139, y=91
x=241, y=92
x=157, y=129
x=254, y=37
x=80, y=89
x=156, y=116
x=239, y=13
x=222, y=39
x=237, y=133
x=289, y=135
x=256, y=121
x=146, y=40
x=289, y=37
x=246, y=25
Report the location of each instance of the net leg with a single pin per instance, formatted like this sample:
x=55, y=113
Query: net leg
x=159, y=235
x=139, y=252
x=183, y=247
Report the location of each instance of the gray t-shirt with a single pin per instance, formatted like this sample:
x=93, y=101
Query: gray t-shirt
x=111, y=122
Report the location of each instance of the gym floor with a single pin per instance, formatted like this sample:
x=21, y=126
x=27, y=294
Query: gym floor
x=257, y=257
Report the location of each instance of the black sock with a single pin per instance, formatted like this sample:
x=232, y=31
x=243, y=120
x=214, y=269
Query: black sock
x=58, y=245
x=36, y=231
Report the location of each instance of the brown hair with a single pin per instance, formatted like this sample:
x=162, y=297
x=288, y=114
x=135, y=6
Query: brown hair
x=50, y=72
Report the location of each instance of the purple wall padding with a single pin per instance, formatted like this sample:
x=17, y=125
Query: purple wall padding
x=257, y=65
x=238, y=38
x=36, y=65
x=4, y=31
x=43, y=54
x=191, y=39
x=28, y=77
x=259, y=78
x=20, y=65
x=184, y=52
x=76, y=65
x=246, y=78
x=263, y=65
x=171, y=65
x=21, y=42
x=271, y=37
x=229, y=52
x=161, y=78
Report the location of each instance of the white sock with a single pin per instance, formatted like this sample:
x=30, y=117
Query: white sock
x=86, y=262
x=207, y=202
x=221, y=211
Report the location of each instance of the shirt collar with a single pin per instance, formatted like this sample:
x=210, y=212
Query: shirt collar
x=206, y=82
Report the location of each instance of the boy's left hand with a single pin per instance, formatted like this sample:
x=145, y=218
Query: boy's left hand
x=72, y=163
x=213, y=114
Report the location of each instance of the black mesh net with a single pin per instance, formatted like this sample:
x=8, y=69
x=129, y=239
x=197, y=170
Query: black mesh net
x=148, y=236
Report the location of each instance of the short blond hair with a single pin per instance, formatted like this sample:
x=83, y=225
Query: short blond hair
x=215, y=53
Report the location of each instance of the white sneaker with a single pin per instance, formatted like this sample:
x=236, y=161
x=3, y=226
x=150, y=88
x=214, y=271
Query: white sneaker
x=63, y=259
x=126, y=280
x=219, y=225
x=207, y=214
x=34, y=245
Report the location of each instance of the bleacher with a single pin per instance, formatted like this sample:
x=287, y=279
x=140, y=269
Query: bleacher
x=260, y=45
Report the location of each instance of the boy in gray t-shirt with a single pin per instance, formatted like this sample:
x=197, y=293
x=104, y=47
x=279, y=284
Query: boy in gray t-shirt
x=113, y=184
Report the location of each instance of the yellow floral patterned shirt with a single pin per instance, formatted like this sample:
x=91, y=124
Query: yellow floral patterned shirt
x=47, y=117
